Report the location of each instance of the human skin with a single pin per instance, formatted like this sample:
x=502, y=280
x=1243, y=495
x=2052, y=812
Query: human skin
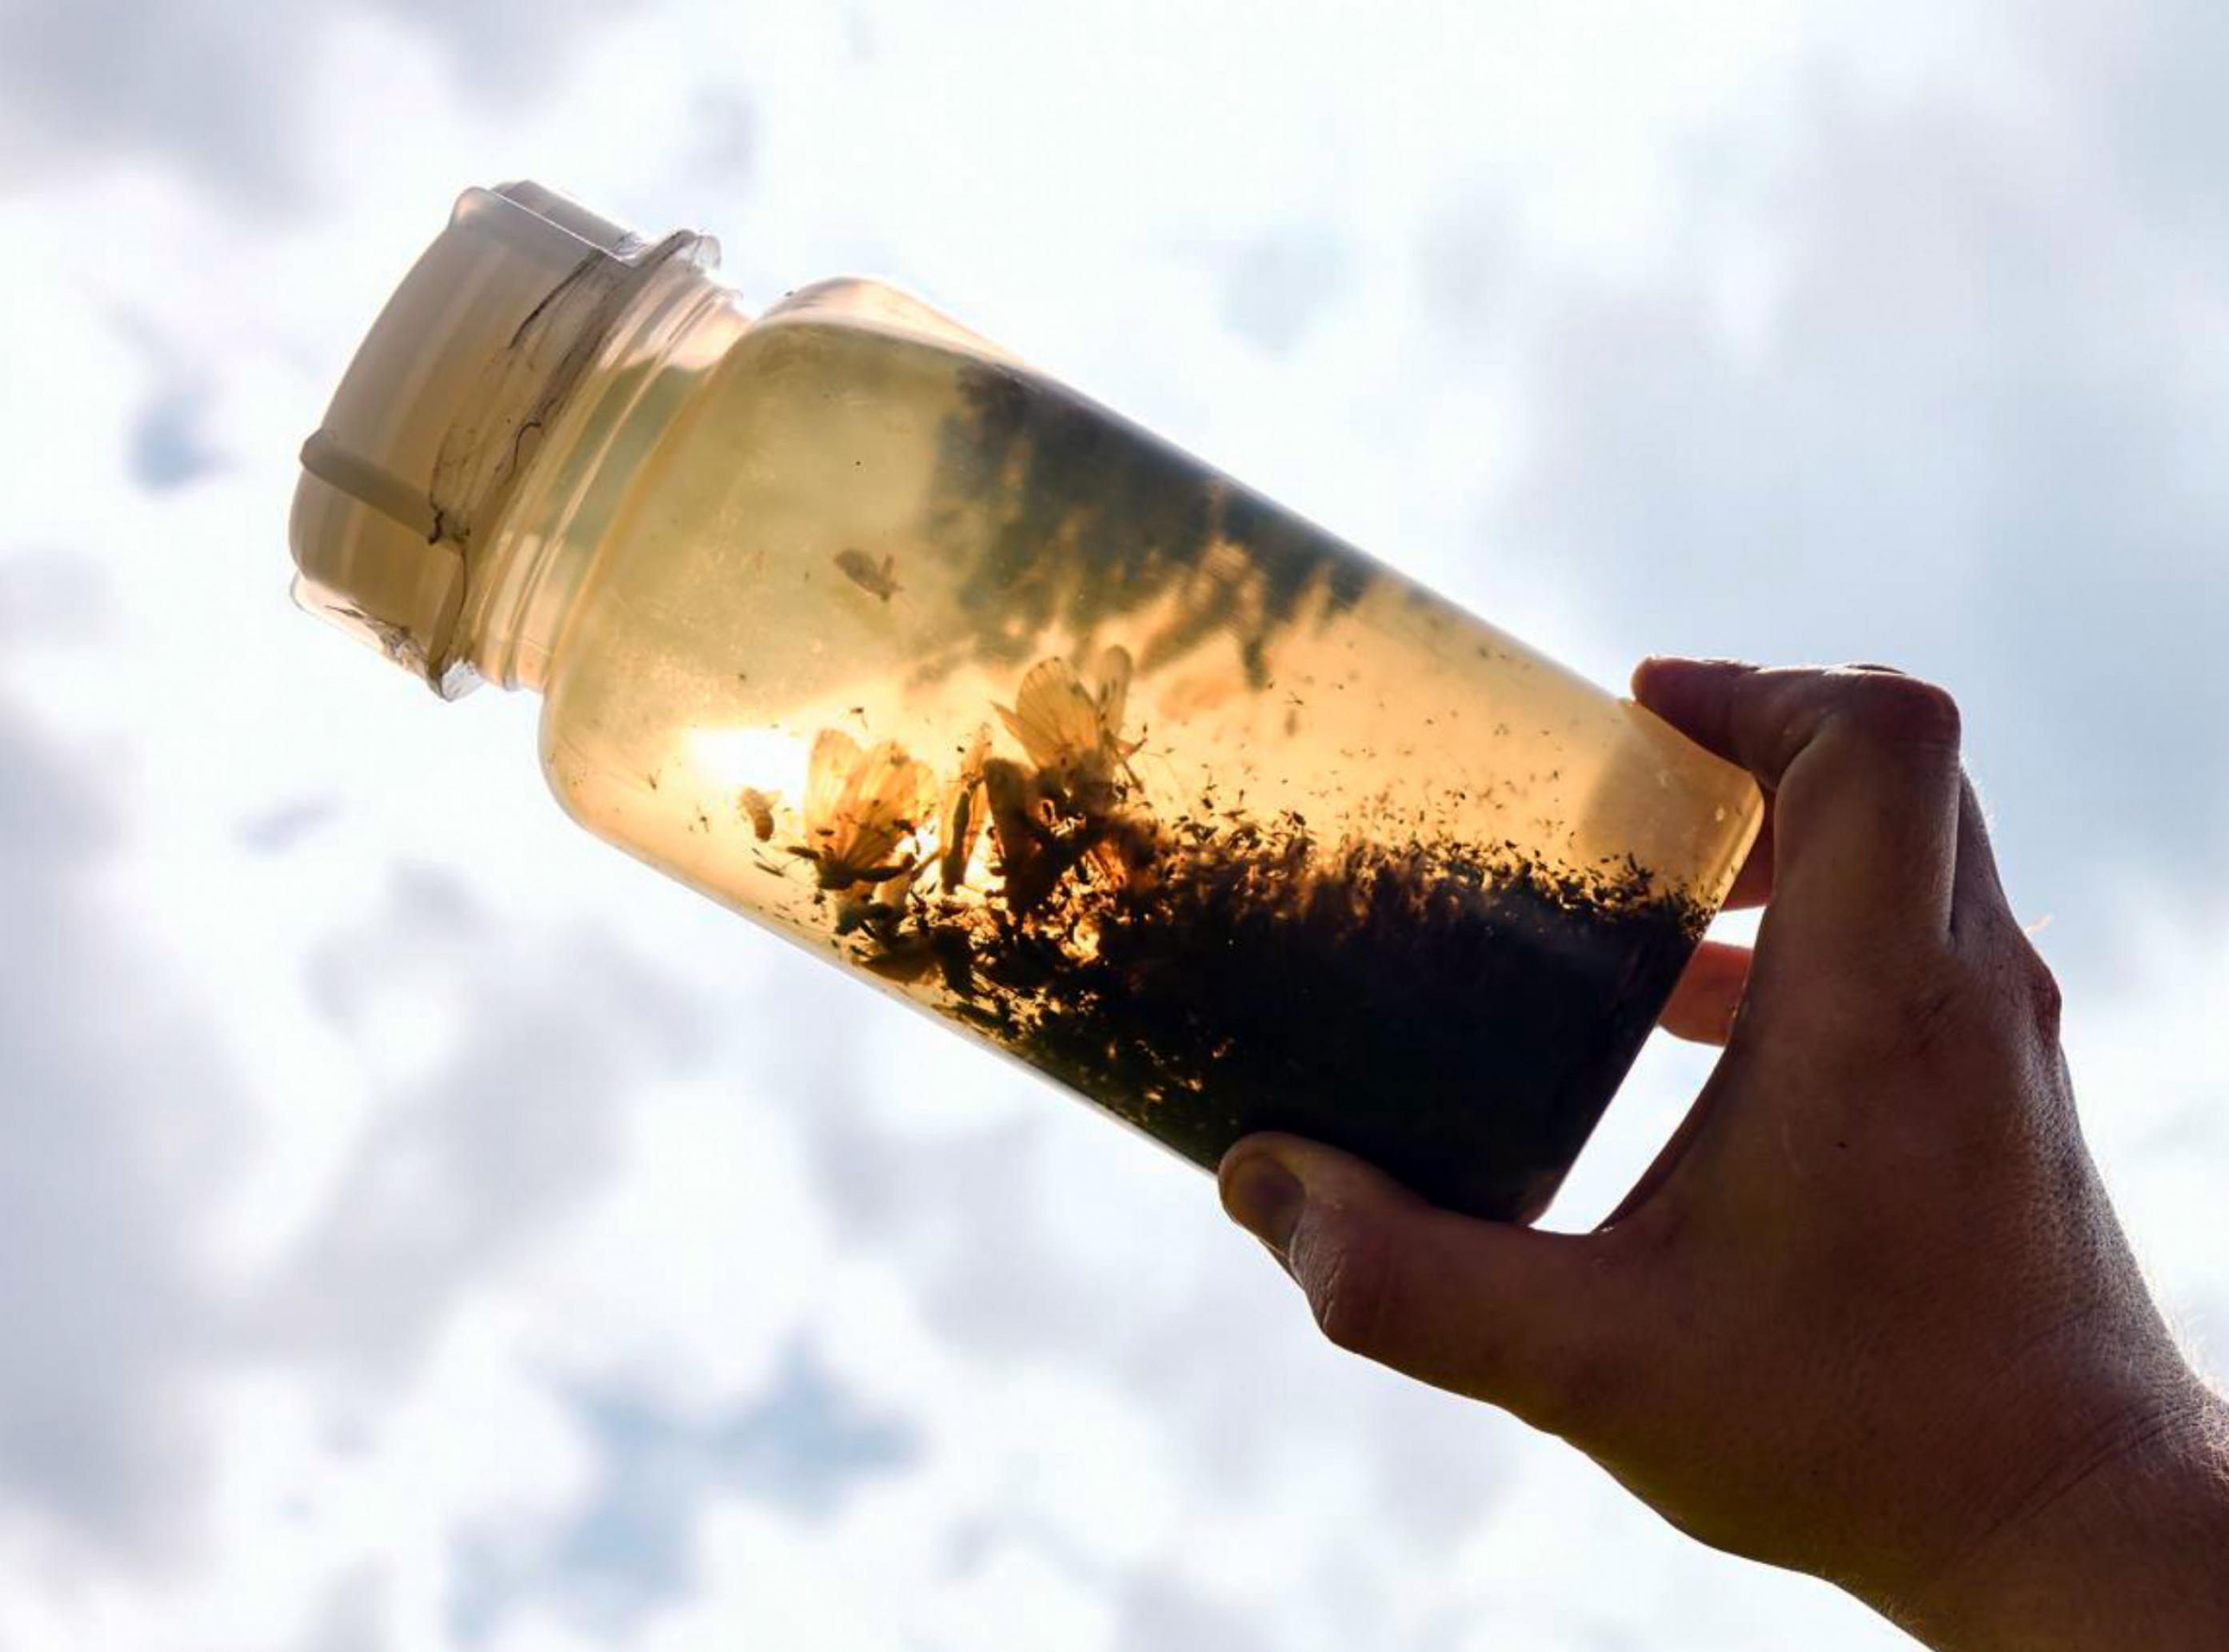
x=1870, y=1314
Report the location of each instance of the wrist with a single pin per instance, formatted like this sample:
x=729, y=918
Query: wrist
x=2125, y=1545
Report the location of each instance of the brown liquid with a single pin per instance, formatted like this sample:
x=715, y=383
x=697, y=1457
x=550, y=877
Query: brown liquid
x=1070, y=740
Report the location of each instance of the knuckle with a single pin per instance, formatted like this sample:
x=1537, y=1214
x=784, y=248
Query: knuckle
x=1908, y=710
x=2039, y=990
x=2017, y=1001
x=1967, y=1017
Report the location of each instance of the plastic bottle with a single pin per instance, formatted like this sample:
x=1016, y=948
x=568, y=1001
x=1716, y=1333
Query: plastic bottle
x=848, y=618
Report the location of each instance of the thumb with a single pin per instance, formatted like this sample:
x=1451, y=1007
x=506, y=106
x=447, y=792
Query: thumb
x=1518, y=1318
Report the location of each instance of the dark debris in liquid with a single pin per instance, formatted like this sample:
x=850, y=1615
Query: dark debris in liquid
x=1456, y=1014
x=1459, y=1021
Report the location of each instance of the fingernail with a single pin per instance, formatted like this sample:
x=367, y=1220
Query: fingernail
x=1265, y=1199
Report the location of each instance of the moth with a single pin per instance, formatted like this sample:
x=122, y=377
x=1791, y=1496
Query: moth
x=1074, y=733
x=860, y=808
x=877, y=580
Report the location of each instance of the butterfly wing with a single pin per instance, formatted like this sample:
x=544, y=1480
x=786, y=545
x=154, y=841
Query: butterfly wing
x=828, y=773
x=1053, y=717
x=1114, y=693
x=886, y=799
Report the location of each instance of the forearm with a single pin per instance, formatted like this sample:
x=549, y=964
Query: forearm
x=2132, y=1555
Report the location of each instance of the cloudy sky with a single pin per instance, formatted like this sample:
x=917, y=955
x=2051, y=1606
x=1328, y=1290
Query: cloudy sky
x=422, y=1228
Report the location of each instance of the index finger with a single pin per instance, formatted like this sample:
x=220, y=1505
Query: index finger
x=1863, y=767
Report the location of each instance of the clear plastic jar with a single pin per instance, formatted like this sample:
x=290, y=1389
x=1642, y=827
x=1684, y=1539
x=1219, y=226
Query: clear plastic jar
x=853, y=622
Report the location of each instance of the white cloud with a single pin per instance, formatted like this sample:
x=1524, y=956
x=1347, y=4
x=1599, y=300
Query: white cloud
x=118, y=1117
x=407, y=1196
x=220, y=89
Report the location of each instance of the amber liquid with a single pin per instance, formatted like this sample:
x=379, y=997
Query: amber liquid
x=1042, y=724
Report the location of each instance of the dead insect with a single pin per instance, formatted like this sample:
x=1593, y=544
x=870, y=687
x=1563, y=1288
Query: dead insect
x=859, y=807
x=1072, y=733
x=1039, y=843
x=1033, y=856
x=1018, y=832
x=758, y=807
x=960, y=820
x=879, y=581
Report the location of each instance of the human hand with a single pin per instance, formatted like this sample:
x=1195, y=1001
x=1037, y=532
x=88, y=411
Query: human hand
x=1870, y=1314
